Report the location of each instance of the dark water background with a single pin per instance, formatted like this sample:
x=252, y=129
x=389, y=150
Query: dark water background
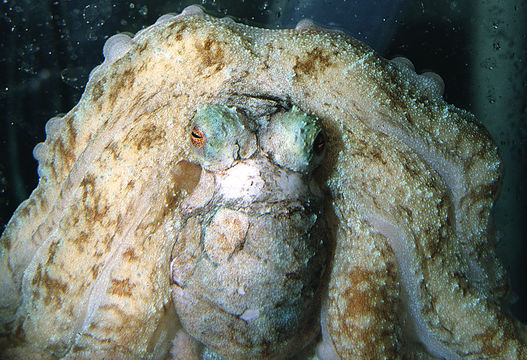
x=47, y=49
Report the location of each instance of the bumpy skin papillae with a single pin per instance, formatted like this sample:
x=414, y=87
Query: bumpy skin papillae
x=411, y=178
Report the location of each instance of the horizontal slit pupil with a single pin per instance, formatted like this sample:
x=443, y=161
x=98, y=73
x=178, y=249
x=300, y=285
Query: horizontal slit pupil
x=197, y=137
x=320, y=142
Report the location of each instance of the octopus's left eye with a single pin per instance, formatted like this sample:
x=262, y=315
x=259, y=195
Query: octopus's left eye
x=295, y=140
x=197, y=137
x=319, y=144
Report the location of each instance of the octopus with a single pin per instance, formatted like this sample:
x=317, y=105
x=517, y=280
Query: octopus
x=222, y=191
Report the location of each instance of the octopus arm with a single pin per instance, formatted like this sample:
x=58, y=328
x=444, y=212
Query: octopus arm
x=478, y=328
x=392, y=209
x=108, y=196
x=364, y=313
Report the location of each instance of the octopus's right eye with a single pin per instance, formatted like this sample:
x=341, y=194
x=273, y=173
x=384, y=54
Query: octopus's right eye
x=219, y=136
x=197, y=137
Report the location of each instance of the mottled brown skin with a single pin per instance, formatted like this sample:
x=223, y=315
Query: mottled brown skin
x=410, y=184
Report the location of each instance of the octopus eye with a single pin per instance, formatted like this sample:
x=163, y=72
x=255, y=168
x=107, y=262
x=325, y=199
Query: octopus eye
x=295, y=140
x=220, y=135
x=197, y=137
x=319, y=144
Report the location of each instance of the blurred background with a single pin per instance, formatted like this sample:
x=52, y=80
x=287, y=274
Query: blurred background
x=47, y=49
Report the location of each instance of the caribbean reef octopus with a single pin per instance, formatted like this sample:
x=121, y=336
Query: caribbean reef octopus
x=227, y=192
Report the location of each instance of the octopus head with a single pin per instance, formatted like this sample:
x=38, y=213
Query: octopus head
x=248, y=264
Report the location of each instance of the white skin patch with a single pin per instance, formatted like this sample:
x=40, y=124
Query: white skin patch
x=249, y=181
x=250, y=315
x=242, y=179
